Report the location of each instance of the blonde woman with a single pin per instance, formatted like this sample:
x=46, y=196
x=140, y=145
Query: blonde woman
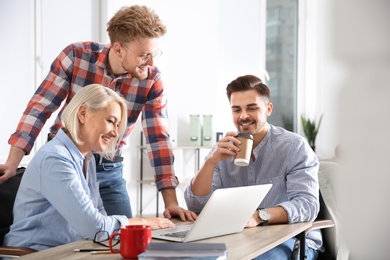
x=58, y=199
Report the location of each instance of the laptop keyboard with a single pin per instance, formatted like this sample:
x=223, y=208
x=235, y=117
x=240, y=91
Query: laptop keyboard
x=179, y=234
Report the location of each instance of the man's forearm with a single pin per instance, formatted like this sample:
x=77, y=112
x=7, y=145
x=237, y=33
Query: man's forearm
x=169, y=196
x=278, y=215
x=202, y=182
x=15, y=156
x=8, y=169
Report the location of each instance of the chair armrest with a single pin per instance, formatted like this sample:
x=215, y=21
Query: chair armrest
x=319, y=224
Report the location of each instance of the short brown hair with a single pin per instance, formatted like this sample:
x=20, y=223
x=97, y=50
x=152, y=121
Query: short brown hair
x=248, y=82
x=134, y=22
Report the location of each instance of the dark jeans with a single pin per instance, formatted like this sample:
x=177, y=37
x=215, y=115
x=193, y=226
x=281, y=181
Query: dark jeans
x=112, y=187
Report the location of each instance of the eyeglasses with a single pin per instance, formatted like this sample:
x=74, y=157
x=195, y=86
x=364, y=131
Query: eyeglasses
x=146, y=57
x=103, y=236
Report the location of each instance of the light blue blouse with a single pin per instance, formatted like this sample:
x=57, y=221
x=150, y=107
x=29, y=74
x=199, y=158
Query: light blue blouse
x=284, y=159
x=55, y=203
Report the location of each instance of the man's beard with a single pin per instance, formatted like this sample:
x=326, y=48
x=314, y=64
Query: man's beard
x=140, y=76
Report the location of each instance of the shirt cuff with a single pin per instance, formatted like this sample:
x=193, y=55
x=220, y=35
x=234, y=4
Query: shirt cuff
x=122, y=221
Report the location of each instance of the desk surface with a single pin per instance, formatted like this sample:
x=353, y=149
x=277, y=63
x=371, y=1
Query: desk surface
x=247, y=244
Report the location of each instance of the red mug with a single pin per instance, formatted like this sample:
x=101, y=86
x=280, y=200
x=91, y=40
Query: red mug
x=133, y=240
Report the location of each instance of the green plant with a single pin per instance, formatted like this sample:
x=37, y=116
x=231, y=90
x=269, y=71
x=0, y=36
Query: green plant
x=311, y=130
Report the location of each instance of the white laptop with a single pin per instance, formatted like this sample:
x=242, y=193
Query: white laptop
x=227, y=211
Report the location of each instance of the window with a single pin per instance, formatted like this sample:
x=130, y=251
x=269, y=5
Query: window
x=273, y=12
x=281, y=61
x=273, y=31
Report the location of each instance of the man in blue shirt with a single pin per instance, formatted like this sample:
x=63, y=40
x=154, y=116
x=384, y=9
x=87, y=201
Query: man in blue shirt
x=279, y=157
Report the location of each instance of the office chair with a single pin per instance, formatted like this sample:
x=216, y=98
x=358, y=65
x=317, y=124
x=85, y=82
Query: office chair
x=327, y=216
x=8, y=192
x=327, y=175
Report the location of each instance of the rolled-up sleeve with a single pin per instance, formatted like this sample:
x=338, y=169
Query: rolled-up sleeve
x=195, y=203
x=156, y=129
x=302, y=185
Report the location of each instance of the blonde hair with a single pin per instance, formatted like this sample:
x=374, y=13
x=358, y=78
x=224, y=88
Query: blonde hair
x=95, y=97
x=133, y=22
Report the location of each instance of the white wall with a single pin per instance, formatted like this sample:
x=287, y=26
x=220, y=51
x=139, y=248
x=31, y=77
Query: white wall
x=318, y=74
x=361, y=42
x=33, y=33
x=16, y=68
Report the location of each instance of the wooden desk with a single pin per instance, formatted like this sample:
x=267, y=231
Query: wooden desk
x=247, y=244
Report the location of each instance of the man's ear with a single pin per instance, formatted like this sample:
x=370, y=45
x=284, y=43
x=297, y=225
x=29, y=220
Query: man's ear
x=82, y=113
x=118, y=49
x=269, y=109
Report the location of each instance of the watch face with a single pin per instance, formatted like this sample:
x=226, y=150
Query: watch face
x=264, y=215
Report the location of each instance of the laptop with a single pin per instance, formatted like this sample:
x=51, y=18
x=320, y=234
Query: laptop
x=226, y=212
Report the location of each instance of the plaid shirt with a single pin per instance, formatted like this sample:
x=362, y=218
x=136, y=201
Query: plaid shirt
x=81, y=64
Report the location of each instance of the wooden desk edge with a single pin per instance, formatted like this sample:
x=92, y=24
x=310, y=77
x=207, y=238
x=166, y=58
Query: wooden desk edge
x=302, y=227
x=235, y=250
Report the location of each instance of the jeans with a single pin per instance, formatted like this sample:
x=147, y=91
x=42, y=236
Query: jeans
x=285, y=251
x=112, y=189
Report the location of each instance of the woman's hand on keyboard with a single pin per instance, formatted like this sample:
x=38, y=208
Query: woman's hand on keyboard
x=154, y=223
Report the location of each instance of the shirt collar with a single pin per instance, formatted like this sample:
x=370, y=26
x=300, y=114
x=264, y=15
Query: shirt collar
x=102, y=60
x=70, y=145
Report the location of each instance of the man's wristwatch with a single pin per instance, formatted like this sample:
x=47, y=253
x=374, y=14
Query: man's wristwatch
x=264, y=216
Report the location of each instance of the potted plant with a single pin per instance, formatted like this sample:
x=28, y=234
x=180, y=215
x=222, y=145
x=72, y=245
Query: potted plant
x=311, y=130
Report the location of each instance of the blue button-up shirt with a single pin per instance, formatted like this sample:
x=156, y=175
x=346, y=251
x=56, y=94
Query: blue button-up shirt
x=55, y=203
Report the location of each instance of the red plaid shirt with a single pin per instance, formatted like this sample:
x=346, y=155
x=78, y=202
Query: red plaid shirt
x=81, y=64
